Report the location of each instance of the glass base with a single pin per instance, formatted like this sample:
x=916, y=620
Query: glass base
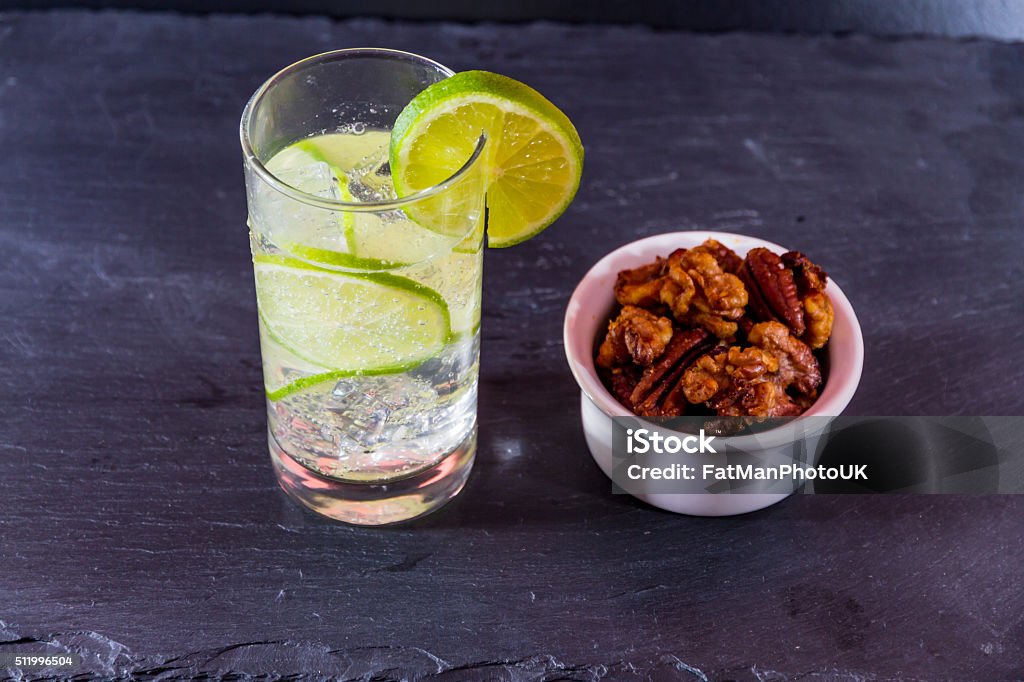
x=376, y=504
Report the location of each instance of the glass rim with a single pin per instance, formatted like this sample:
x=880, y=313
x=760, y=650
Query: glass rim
x=336, y=204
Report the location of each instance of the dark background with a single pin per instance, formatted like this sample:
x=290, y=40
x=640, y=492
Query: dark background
x=992, y=18
x=140, y=522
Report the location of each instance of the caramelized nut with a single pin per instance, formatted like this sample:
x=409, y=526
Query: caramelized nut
x=810, y=285
x=699, y=292
x=772, y=290
x=797, y=365
x=727, y=259
x=640, y=286
x=657, y=366
x=635, y=334
x=657, y=379
x=754, y=381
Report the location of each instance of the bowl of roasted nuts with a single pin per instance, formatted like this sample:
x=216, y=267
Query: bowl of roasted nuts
x=712, y=324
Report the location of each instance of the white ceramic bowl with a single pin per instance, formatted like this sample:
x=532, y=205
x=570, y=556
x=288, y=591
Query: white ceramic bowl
x=587, y=316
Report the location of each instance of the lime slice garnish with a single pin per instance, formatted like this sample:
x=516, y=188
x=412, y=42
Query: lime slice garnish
x=533, y=157
x=357, y=240
x=347, y=324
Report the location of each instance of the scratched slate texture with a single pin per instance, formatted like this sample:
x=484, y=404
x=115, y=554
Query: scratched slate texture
x=140, y=524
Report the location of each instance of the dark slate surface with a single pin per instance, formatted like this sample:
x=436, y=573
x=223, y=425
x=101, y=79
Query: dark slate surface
x=140, y=523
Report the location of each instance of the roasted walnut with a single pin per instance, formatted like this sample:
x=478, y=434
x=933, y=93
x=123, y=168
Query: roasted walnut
x=755, y=381
x=637, y=335
x=798, y=368
x=699, y=292
x=725, y=371
x=766, y=399
x=697, y=285
x=819, y=317
x=727, y=259
x=737, y=382
x=641, y=286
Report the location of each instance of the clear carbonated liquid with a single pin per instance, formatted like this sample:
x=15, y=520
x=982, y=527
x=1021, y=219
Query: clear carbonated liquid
x=392, y=423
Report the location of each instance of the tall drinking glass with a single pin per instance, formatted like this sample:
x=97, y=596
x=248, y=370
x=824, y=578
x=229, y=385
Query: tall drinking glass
x=369, y=304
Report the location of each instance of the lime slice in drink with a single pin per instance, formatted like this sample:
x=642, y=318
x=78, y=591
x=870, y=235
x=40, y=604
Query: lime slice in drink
x=377, y=242
x=348, y=323
x=533, y=158
x=297, y=165
x=347, y=167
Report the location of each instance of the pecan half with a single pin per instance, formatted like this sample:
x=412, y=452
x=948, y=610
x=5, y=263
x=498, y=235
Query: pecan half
x=809, y=278
x=659, y=378
x=810, y=282
x=621, y=381
x=772, y=290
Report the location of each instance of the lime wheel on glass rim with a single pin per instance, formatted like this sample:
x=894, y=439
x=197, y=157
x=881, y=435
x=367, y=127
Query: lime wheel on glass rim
x=533, y=157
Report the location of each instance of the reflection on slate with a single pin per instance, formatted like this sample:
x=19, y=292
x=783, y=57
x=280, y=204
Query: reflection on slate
x=916, y=455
